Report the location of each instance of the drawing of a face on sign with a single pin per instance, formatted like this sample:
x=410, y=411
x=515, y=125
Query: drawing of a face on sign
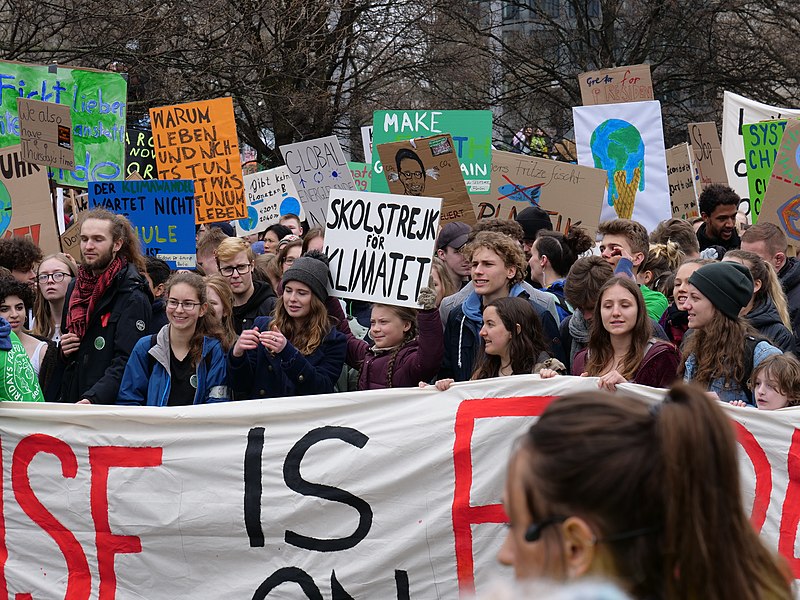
x=617, y=147
x=411, y=172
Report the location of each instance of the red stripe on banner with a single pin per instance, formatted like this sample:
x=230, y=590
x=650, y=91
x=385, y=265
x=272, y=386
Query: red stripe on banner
x=763, y=472
x=790, y=516
x=465, y=515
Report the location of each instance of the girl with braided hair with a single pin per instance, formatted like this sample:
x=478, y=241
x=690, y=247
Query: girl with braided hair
x=408, y=343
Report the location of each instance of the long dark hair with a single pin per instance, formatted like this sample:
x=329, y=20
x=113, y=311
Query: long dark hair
x=205, y=326
x=562, y=249
x=600, y=352
x=658, y=486
x=527, y=338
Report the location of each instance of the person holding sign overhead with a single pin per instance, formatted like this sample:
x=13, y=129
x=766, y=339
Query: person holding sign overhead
x=408, y=347
x=297, y=351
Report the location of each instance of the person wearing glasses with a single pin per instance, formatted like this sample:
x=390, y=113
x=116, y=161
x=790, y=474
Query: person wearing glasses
x=53, y=277
x=184, y=362
x=411, y=172
x=648, y=496
x=251, y=299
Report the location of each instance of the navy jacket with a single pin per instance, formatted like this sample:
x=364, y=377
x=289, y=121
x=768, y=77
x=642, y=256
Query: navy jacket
x=258, y=374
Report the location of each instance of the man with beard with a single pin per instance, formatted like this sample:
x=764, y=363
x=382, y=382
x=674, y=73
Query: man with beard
x=718, y=207
x=107, y=309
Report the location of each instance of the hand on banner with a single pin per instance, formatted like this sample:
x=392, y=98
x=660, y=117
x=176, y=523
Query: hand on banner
x=249, y=340
x=70, y=342
x=273, y=340
x=610, y=380
x=442, y=385
x=547, y=373
x=84, y=401
x=739, y=403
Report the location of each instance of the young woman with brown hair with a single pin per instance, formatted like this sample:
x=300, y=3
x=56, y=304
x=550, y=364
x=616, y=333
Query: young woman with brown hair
x=297, y=351
x=621, y=344
x=220, y=308
x=606, y=486
x=184, y=362
x=723, y=350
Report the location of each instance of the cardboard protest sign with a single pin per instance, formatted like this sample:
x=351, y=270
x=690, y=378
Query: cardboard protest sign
x=366, y=140
x=162, y=212
x=159, y=504
x=569, y=193
x=45, y=134
x=380, y=245
x=427, y=167
x=140, y=155
x=471, y=131
x=736, y=111
x=680, y=175
x=26, y=208
x=70, y=242
x=317, y=166
x=198, y=141
x=362, y=175
x=707, y=154
x=761, y=142
x=613, y=86
x=781, y=204
x=97, y=101
x=270, y=195
x=627, y=141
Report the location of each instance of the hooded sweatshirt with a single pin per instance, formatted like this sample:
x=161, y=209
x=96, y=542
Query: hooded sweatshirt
x=766, y=320
x=260, y=304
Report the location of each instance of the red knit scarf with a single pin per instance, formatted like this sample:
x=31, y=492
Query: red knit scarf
x=89, y=288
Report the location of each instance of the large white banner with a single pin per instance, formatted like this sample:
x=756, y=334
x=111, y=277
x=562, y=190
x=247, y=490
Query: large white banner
x=627, y=141
x=736, y=111
x=385, y=494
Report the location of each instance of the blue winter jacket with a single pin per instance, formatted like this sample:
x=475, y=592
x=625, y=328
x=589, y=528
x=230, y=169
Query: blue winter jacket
x=259, y=374
x=140, y=386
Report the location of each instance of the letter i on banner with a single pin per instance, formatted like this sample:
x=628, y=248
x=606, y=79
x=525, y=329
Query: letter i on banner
x=198, y=141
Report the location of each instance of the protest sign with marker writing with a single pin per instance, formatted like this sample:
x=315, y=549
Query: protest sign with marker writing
x=761, y=143
x=198, y=141
x=620, y=84
x=162, y=212
x=680, y=175
x=781, y=204
x=45, y=134
x=380, y=245
x=140, y=155
x=25, y=205
x=97, y=101
x=317, y=167
x=270, y=195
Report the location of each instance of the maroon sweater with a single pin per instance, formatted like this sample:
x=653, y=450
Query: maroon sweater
x=659, y=366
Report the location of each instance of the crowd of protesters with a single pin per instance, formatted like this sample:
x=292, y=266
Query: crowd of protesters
x=505, y=297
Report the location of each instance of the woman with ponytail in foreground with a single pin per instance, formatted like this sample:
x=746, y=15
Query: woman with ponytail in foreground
x=648, y=496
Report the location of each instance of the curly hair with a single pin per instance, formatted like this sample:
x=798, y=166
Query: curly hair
x=19, y=253
x=11, y=287
x=508, y=227
x=716, y=195
x=506, y=248
x=601, y=352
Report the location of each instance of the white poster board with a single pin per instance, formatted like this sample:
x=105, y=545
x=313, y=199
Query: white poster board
x=366, y=140
x=627, y=141
x=269, y=195
x=380, y=245
x=736, y=111
x=317, y=166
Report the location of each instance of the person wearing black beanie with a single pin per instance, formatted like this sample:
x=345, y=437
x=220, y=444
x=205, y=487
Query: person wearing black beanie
x=723, y=349
x=296, y=351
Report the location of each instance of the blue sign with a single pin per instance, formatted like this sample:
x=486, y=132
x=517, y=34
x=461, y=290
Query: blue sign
x=162, y=212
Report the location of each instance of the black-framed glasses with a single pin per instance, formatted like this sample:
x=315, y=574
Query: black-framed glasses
x=240, y=269
x=57, y=277
x=187, y=305
x=534, y=530
x=411, y=174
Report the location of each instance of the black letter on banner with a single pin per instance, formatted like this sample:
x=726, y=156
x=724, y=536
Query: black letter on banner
x=293, y=479
x=252, y=487
x=337, y=591
x=401, y=581
x=285, y=575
